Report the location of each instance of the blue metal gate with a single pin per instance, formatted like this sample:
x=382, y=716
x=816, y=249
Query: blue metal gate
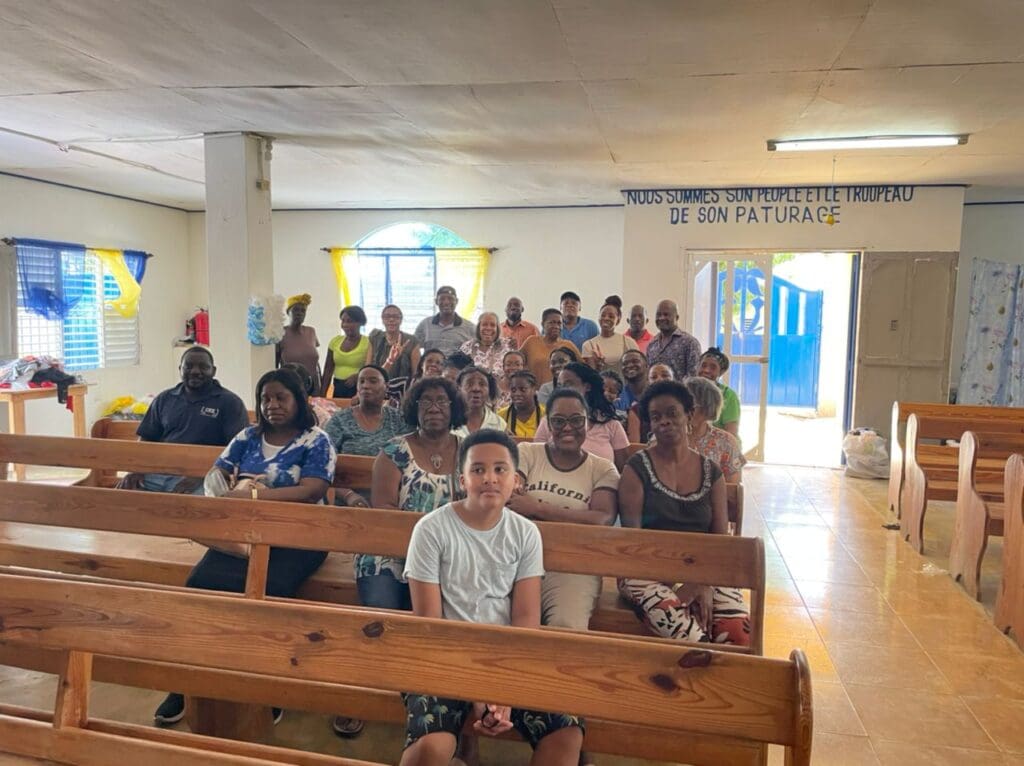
x=795, y=338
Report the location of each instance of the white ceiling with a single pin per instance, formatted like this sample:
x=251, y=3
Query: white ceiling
x=404, y=103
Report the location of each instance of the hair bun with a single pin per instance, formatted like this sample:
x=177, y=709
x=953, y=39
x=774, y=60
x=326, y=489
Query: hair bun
x=613, y=300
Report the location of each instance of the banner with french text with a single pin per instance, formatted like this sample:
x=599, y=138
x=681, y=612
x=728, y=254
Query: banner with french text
x=892, y=217
x=766, y=204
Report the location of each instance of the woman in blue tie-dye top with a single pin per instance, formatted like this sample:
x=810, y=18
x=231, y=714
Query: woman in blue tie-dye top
x=283, y=457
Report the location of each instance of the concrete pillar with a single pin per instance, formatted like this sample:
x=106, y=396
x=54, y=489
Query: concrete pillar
x=239, y=253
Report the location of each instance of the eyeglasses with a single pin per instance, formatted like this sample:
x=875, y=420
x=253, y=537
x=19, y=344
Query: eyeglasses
x=391, y=316
x=575, y=422
x=439, y=404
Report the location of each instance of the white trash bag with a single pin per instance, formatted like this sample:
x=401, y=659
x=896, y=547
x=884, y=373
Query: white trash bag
x=866, y=454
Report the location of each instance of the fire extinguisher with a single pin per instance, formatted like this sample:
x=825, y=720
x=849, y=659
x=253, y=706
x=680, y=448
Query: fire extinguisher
x=197, y=327
x=201, y=324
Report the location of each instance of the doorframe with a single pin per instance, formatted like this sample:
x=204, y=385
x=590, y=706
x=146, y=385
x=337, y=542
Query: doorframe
x=851, y=346
x=693, y=256
x=856, y=260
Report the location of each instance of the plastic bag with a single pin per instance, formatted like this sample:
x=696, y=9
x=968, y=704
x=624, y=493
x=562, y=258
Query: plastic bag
x=264, y=324
x=866, y=454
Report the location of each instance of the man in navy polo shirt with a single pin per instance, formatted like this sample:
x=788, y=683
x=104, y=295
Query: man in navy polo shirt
x=199, y=410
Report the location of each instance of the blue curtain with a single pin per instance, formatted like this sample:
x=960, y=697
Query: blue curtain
x=42, y=270
x=136, y=262
x=992, y=372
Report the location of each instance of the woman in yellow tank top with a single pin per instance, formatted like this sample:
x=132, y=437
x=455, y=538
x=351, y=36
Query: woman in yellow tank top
x=346, y=353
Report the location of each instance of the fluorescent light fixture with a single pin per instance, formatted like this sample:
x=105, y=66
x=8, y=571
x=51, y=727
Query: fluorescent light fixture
x=865, y=142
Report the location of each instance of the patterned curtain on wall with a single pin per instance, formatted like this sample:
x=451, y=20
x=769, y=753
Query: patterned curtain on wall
x=993, y=368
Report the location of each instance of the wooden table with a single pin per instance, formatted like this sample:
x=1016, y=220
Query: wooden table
x=16, y=398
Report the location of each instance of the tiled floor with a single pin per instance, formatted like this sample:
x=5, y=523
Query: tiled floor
x=907, y=669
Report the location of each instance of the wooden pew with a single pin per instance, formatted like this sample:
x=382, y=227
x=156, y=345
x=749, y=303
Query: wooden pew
x=901, y=411
x=1009, y=611
x=371, y=531
x=979, y=505
x=106, y=455
x=171, y=562
x=583, y=549
x=33, y=733
x=109, y=428
x=704, y=707
x=931, y=471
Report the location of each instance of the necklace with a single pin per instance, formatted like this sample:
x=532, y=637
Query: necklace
x=437, y=458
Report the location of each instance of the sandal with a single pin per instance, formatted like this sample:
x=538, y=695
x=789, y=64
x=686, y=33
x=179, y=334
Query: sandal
x=347, y=728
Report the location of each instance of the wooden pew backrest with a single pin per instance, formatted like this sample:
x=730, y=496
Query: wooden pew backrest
x=722, y=560
x=106, y=456
x=645, y=554
x=1009, y=610
x=936, y=476
x=901, y=411
x=737, y=697
x=979, y=512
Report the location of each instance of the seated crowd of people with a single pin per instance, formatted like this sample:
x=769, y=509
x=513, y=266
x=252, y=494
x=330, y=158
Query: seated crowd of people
x=483, y=429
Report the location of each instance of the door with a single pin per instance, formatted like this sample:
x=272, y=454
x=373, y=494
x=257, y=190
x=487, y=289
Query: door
x=904, y=333
x=729, y=305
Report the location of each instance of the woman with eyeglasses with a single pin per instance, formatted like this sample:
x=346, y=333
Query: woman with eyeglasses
x=394, y=351
x=605, y=436
x=562, y=481
x=415, y=472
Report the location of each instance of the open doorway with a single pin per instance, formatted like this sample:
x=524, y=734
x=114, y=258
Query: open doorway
x=807, y=400
x=784, y=319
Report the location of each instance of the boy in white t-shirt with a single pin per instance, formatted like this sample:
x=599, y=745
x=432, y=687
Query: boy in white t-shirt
x=477, y=561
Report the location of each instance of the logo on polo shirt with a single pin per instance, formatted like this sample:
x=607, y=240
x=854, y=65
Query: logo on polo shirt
x=210, y=412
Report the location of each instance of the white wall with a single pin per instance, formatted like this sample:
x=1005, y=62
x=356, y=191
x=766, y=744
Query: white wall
x=632, y=251
x=43, y=211
x=541, y=253
x=993, y=232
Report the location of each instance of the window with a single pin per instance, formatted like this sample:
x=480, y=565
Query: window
x=90, y=335
x=399, y=264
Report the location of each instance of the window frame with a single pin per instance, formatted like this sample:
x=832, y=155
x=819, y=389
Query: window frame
x=56, y=335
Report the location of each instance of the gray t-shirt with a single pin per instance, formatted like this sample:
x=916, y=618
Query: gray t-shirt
x=430, y=333
x=476, y=569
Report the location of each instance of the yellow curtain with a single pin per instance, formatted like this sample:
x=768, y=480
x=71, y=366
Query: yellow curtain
x=127, y=303
x=464, y=269
x=346, y=272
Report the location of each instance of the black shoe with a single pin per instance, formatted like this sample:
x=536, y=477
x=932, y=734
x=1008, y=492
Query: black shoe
x=171, y=710
x=277, y=714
